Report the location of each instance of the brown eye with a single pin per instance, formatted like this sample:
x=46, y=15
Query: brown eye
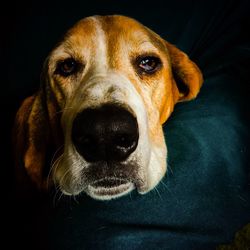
x=149, y=64
x=67, y=67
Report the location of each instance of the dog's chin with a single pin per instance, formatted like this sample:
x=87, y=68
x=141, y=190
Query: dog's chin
x=107, y=189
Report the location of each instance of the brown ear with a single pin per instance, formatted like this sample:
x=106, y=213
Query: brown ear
x=187, y=76
x=30, y=139
x=36, y=137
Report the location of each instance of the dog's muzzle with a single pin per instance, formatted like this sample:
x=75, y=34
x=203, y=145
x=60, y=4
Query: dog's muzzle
x=108, y=133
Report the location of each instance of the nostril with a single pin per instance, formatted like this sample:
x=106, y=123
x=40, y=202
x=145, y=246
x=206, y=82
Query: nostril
x=87, y=145
x=124, y=144
x=86, y=140
x=123, y=140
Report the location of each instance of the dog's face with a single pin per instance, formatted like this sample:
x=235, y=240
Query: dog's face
x=109, y=86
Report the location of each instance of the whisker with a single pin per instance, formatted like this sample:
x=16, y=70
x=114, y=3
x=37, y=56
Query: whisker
x=165, y=185
x=58, y=191
x=54, y=168
x=59, y=148
x=170, y=191
x=61, y=195
x=130, y=196
x=157, y=191
x=75, y=199
x=170, y=168
x=62, y=179
x=54, y=164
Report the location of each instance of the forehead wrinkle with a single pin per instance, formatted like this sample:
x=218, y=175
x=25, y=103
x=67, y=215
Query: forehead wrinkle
x=141, y=46
x=69, y=48
x=156, y=40
x=145, y=43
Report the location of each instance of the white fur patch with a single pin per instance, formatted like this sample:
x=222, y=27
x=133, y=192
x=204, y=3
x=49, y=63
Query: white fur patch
x=101, y=47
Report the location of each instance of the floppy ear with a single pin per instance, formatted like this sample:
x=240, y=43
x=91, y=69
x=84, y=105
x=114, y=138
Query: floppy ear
x=30, y=139
x=35, y=138
x=187, y=76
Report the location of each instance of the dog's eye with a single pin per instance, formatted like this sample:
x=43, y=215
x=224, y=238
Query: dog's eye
x=67, y=67
x=149, y=64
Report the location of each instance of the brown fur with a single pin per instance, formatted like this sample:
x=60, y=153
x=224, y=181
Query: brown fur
x=37, y=124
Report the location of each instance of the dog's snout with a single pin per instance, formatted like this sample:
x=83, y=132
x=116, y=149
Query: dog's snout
x=106, y=133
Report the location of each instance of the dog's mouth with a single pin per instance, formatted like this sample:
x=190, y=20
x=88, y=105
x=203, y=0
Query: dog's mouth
x=109, y=188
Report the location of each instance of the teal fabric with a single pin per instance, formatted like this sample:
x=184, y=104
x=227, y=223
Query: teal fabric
x=205, y=196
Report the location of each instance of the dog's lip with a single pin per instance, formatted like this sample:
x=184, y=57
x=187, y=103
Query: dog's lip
x=108, y=182
x=109, y=188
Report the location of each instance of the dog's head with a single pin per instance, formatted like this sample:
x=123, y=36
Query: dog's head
x=106, y=90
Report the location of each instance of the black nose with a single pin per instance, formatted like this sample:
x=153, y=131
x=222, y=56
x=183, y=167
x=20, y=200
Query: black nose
x=106, y=133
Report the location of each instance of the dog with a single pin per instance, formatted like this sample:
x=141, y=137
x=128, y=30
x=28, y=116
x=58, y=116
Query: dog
x=106, y=89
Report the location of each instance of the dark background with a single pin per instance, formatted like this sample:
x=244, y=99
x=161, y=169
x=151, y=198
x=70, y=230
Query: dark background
x=206, y=30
